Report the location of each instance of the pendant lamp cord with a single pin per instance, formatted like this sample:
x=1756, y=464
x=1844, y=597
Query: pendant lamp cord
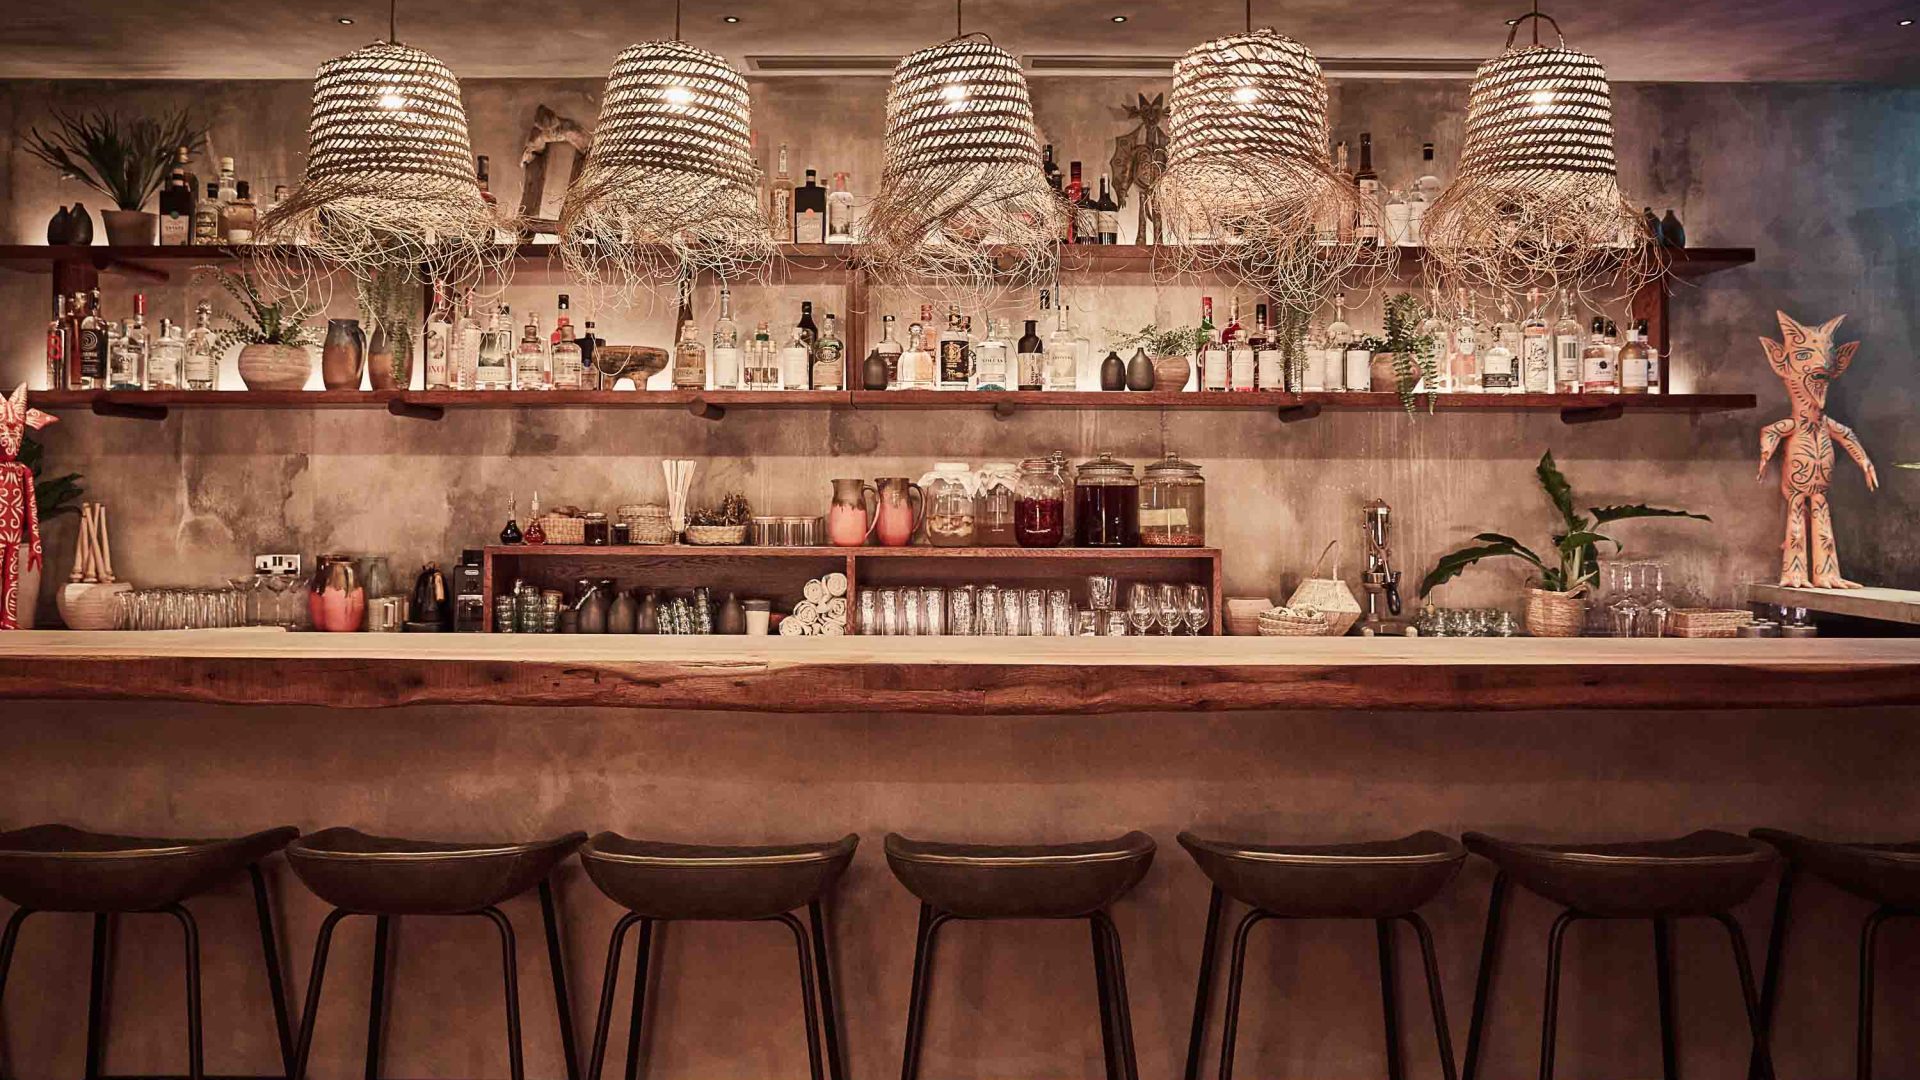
x=676, y=20
x=958, y=12
x=1249, y=16
x=1536, y=22
x=393, y=18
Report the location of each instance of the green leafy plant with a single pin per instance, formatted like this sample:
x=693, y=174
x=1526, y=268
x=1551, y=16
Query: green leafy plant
x=732, y=510
x=266, y=322
x=124, y=159
x=1575, y=543
x=1290, y=335
x=390, y=300
x=1171, y=341
x=1415, y=349
x=53, y=495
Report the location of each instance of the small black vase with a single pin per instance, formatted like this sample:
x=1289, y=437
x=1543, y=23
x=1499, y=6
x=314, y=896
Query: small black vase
x=79, y=225
x=1139, y=371
x=1672, y=233
x=873, y=372
x=1113, y=372
x=60, y=228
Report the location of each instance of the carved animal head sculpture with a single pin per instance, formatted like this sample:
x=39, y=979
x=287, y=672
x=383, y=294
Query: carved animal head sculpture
x=1807, y=360
x=15, y=419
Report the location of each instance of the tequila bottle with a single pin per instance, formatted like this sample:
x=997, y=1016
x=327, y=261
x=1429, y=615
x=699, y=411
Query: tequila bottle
x=568, y=371
x=1536, y=349
x=1463, y=347
x=889, y=350
x=128, y=370
x=955, y=354
x=1567, y=348
x=201, y=364
x=532, y=363
x=760, y=366
x=1339, y=338
x=439, y=341
x=689, y=359
x=990, y=358
x=829, y=357
x=796, y=360
x=165, y=358
x=1499, y=362
x=493, y=367
x=724, y=360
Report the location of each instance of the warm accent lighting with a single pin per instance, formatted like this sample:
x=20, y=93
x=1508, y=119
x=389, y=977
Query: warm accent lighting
x=344, y=21
x=729, y=18
x=1119, y=18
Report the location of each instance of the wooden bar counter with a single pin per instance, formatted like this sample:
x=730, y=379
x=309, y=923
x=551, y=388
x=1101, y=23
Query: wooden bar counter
x=965, y=676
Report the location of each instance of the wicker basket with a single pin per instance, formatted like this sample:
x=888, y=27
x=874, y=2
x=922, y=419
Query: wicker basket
x=1243, y=614
x=562, y=528
x=1706, y=622
x=716, y=535
x=1330, y=596
x=646, y=523
x=1294, y=622
x=1552, y=614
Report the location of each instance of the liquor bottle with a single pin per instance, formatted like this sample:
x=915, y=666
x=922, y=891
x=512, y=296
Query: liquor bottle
x=685, y=314
x=689, y=359
x=1313, y=362
x=1269, y=366
x=438, y=342
x=588, y=341
x=1076, y=194
x=535, y=532
x=1213, y=352
x=57, y=346
x=130, y=359
x=1107, y=214
x=796, y=361
x=780, y=201
x=1463, y=347
x=1367, y=226
x=569, y=372
x=183, y=162
x=1051, y=170
x=1063, y=352
x=1567, y=346
x=918, y=369
x=1394, y=216
x=840, y=211
x=1598, y=375
x=1086, y=223
x=807, y=327
x=1242, y=358
x=95, y=342
x=1420, y=196
x=480, y=176
x=1030, y=355
x=889, y=350
x=955, y=354
x=201, y=365
x=991, y=360
x=532, y=363
x=226, y=188
x=468, y=336
x=829, y=357
x=493, y=367
x=1429, y=183
x=206, y=218
x=760, y=366
x=1635, y=360
x=239, y=217
x=165, y=357
x=724, y=360
x=1500, y=360
x=1339, y=337
x=176, y=204
x=810, y=212
x=511, y=533
x=70, y=342
x=1536, y=349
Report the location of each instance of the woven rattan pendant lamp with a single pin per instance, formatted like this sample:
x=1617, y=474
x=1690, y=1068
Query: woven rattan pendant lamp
x=1249, y=189
x=390, y=175
x=1536, y=201
x=963, y=203
x=670, y=186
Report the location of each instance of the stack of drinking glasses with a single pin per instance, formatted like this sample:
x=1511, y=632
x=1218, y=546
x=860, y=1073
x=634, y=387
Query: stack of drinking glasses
x=1633, y=602
x=182, y=609
x=1026, y=611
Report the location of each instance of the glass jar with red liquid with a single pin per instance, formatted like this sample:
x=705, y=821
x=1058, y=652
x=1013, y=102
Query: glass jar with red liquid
x=1106, y=504
x=1039, y=505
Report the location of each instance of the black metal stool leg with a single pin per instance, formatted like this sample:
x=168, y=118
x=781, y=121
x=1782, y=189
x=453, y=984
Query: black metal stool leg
x=1550, y=1014
x=557, y=965
x=608, y=985
x=1776, y=949
x=806, y=992
x=930, y=924
x=1756, y=1023
x=1389, y=997
x=8, y=938
x=1122, y=1009
x=276, y=982
x=310, y=1012
x=1204, y=992
x=1663, y=976
x=1483, y=982
x=510, y=967
x=1436, y=1000
x=642, y=975
x=823, y=974
x=1869, y=938
x=1230, y=1024
x=97, y=995
x=1103, y=983
x=377, y=996
x=196, y=1054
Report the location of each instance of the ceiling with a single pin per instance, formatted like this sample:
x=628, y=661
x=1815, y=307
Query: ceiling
x=1648, y=40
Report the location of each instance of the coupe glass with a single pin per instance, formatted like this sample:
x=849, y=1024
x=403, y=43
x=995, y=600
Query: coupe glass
x=1198, y=616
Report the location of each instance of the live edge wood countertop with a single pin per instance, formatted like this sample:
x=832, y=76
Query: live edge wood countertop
x=955, y=675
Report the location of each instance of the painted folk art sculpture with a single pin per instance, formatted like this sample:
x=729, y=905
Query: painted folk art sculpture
x=19, y=514
x=1808, y=361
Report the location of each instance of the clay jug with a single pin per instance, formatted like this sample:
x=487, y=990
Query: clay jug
x=733, y=617
x=622, y=613
x=343, y=358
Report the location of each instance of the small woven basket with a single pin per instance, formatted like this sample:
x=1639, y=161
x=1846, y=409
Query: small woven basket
x=1553, y=614
x=1706, y=622
x=646, y=523
x=562, y=529
x=716, y=535
x=1329, y=596
x=1294, y=622
x=1243, y=614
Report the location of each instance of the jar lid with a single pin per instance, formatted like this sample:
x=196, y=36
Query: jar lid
x=594, y=515
x=1105, y=467
x=1035, y=464
x=1172, y=465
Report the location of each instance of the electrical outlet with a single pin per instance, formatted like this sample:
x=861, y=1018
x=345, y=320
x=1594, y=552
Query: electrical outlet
x=277, y=564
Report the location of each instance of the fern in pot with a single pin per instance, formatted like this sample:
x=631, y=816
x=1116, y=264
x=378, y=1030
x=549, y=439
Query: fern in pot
x=272, y=335
x=124, y=159
x=1406, y=354
x=390, y=305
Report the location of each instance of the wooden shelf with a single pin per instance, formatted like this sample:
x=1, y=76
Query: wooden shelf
x=1573, y=408
x=1885, y=605
x=697, y=551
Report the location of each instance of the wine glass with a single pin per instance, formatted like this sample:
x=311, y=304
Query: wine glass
x=1626, y=604
x=1167, y=607
x=1653, y=581
x=1198, y=616
x=1140, y=608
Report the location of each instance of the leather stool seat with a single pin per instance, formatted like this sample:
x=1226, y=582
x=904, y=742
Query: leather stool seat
x=1020, y=881
x=383, y=875
x=61, y=868
x=1702, y=873
x=1887, y=874
x=1380, y=879
x=658, y=880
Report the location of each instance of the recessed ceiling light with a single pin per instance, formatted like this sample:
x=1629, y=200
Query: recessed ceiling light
x=1906, y=22
x=1119, y=18
x=344, y=21
x=729, y=18
x=1513, y=22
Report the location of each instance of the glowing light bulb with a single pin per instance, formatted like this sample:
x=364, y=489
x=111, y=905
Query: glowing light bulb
x=393, y=99
x=954, y=94
x=1542, y=100
x=678, y=95
x=1246, y=95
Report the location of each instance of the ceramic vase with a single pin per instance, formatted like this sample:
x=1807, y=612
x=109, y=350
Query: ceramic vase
x=388, y=368
x=275, y=367
x=79, y=225
x=1140, y=372
x=343, y=358
x=129, y=228
x=1113, y=372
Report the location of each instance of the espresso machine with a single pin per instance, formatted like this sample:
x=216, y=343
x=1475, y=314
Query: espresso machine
x=1380, y=580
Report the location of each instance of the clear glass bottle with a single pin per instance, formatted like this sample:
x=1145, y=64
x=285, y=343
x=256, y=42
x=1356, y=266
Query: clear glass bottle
x=1499, y=361
x=829, y=357
x=1242, y=357
x=1568, y=344
x=760, y=364
x=955, y=354
x=689, y=359
x=796, y=361
x=889, y=350
x=918, y=368
x=166, y=357
x=1313, y=361
x=468, y=335
x=724, y=360
x=569, y=370
x=439, y=341
x=1635, y=361
x=1030, y=357
x=1463, y=346
x=1214, y=366
x=126, y=359
x=532, y=363
x=200, y=366
x=1598, y=375
x=992, y=358
x=1063, y=353
x=1269, y=364
x=493, y=367
x=840, y=211
x=239, y=218
x=1340, y=338
x=1536, y=348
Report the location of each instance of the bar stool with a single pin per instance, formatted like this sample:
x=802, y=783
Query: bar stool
x=1700, y=875
x=386, y=877
x=1038, y=881
x=1382, y=880
x=60, y=868
x=661, y=882
x=1885, y=875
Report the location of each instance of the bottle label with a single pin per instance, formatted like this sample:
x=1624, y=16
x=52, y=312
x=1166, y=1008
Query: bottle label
x=1598, y=374
x=1633, y=372
x=1359, y=373
x=1566, y=367
x=726, y=368
x=436, y=355
x=956, y=363
x=1109, y=221
x=1214, y=369
x=175, y=228
x=93, y=354
x=1314, y=377
x=1271, y=368
x=1496, y=370
x=809, y=227
x=782, y=215
x=1240, y=369
x=1033, y=370
x=1537, y=364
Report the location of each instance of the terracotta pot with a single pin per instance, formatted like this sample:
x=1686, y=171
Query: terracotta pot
x=130, y=228
x=388, y=369
x=1381, y=376
x=343, y=358
x=275, y=367
x=1172, y=372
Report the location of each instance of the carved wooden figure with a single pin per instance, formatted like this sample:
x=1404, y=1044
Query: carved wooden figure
x=1807, y=360
x=1139, y=157
x=19, y=514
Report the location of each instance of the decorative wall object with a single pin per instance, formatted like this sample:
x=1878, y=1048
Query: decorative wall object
x=1807, y=361
x=670, y=185
x=390, y=177
x=550, y=161
x=1139, y=157
x=1249, y=189
x=19, y=509
x=1536, y=200
x=963, y=205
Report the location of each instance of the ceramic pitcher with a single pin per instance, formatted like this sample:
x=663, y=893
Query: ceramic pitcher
x=851, y=518
x=343, y=358
x=899, y=505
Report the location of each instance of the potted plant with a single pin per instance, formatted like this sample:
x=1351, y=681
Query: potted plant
x=273, y=336
x=1555, y=604
x=1406, y=353
x=1170, y=350
x=725, y=523
x=53, y=495
x=124, y=159
x=390, y=303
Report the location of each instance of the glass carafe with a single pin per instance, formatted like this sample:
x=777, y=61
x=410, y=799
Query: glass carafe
x=1039, y=505
x=993, y=523
x=849, y=520
x=950, y=511
x=1106, y=497
x=898, y=506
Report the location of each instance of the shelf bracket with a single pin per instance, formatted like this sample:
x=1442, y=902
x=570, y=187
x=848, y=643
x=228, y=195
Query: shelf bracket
x=127, y=410
x=415, y=411
x=705, y=409
x=1592, y=414
x=1002, y=410
x=1293, y=414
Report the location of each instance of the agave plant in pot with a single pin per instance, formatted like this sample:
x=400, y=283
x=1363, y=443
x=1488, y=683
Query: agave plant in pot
x=272, y=335
x=124, y=159
x=1556, y=599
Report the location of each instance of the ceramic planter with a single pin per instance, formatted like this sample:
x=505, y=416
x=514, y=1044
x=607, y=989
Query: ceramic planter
x=130, y=228
x=343, y=358
x=275, y=367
